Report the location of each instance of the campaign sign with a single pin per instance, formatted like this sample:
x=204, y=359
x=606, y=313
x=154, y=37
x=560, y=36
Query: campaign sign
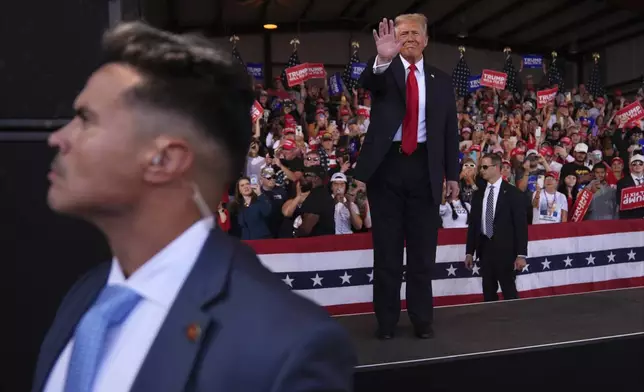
x=356, y=70
x=256, y=70
x=256, y=111
x=632, y=198
x=582, y=204
x=474, y=83
x=493, y=79
x=303, y=72
x=335, y=84
x=544, y=97
x=632, y=112
x=532, y=61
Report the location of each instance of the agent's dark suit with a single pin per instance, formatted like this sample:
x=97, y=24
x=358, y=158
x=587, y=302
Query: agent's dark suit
x=627, y=182
x=405, y=191
x=510, y=239
x=256, y=335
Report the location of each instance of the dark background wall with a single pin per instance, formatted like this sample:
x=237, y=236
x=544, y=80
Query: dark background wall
x=48, y=48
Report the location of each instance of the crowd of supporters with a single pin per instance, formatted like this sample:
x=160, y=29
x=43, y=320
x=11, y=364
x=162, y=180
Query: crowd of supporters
x=298, y=178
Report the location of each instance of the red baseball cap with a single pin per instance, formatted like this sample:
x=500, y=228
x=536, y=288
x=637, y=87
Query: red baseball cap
x=565, y=140
x=517, y=151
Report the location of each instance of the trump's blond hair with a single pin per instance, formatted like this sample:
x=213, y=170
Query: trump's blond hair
x=412, y=18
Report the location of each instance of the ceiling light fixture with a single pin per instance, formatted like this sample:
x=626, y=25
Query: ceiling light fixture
x=270, y=26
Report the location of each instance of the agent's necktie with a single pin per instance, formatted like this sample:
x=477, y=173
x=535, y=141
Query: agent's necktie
x=410, y=121
x=112, y=307
x=489, y=213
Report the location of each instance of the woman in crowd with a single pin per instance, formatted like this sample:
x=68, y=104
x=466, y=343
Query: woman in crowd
x=252, y=210
x=454, y=213
x=568, y=187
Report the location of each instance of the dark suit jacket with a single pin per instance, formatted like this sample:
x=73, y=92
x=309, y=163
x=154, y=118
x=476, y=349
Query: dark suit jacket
x=388, y=95
x=627, y=182
x=510, y=237
x=256, y=335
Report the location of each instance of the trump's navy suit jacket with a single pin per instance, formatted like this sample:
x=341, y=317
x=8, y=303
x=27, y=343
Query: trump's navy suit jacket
x=255, y=334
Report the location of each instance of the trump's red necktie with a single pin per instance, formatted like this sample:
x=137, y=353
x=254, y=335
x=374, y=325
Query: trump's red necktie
x=410, y=122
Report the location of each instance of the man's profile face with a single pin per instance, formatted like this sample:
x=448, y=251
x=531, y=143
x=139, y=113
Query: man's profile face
x=99, y=163
x=413, y=39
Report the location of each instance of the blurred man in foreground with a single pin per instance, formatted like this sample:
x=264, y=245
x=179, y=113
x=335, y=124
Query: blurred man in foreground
x=160, y=129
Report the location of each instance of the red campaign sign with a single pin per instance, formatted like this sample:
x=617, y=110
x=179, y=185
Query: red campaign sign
x=278, y=93
x=256, y=111
x=493, y=79
x=581, y=205
x=544, y=97
x=632, y=112
x=632, y=198
x=303, y=72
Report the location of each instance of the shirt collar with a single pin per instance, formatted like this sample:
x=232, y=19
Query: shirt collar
x=159, y=279
x=419, y=65
x=497, y=184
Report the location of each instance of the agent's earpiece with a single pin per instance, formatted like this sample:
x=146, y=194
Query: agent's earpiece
x=156, y=160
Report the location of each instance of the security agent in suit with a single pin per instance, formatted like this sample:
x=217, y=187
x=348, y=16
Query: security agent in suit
x=160, y=129
x=410, y=147
x=498, y=231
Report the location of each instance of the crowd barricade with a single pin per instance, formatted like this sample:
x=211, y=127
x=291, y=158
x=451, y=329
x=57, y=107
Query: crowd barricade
x=337, y=271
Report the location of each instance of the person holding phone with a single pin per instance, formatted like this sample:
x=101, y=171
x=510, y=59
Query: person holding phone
x=252, y=209
x=549, y=205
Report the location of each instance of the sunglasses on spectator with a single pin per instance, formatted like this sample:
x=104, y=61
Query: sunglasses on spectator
x=312, y=158
x=269, y=177
x=485, y=167
x=470, y=165
x=637, y=163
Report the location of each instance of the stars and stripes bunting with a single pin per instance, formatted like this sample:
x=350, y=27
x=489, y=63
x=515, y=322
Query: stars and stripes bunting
x=337, y=271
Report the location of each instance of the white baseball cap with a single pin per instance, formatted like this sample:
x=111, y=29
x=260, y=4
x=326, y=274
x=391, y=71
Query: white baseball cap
x=581, y=147
x=637, y=157
x=339, y=177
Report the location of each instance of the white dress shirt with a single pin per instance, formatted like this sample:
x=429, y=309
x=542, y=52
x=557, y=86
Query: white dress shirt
x=158, y=281
x=637, y=179
x=497, y=188
x=420, y=80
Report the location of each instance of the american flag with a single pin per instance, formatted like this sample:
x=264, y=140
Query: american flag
x=511, y=83
x=292, y=62
x=237, y=57
x=461, y=75
x=349, y=82
x=554, y=73
x=595, y=86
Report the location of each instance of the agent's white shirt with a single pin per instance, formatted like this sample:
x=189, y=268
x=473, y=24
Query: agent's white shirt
x=158, y=282
x=497, y=188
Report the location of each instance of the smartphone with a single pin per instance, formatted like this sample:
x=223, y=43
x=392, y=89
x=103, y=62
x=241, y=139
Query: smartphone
x=540, y=181
x=568, y=97
x=298, y=130
x=537, y=132
x=332, y=122
x=253, y=180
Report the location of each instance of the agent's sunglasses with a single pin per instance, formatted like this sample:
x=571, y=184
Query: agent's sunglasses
x=485, y=167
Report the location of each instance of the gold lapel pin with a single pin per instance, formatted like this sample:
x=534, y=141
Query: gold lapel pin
x=193, y=332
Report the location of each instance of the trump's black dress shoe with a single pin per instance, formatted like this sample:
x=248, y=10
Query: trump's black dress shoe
x=384, y=334
x=424, y=332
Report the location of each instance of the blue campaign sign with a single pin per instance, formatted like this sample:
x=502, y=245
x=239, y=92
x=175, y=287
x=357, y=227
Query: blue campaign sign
x=474, y=83
x=532, y=61
x=356, y=70
x=335, y=84
x=256, y=69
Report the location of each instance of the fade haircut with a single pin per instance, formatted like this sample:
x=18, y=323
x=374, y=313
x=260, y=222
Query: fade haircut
x=190, y=78
x=412, y=18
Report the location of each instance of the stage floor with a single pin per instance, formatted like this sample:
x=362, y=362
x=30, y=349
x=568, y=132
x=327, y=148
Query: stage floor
x=502, y=327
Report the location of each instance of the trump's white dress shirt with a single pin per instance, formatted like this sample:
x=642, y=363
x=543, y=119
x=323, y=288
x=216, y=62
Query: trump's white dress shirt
x=420, y=80
x=158, y=281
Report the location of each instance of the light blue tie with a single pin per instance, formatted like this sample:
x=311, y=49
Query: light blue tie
x=111, y=308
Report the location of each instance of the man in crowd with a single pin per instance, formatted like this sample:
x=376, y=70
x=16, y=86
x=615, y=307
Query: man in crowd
x=603, y=205
x=636, y=178
x=410, y=146
x=318, y=208
x=498, y=232
x=578, y=167
x=160, y=129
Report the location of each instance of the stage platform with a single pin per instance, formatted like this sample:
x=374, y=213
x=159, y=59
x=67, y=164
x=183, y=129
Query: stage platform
x=592, y=340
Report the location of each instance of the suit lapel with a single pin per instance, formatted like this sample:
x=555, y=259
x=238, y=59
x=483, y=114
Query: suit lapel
x=500, y=200
x=189, y=323
x=69, y=315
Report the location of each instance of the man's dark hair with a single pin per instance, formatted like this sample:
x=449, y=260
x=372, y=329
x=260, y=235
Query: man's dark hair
x=599, y=165
x=495, y=158
x=190, y=77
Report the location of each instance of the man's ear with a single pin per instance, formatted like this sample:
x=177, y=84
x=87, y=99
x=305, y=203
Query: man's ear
x=170, y=158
